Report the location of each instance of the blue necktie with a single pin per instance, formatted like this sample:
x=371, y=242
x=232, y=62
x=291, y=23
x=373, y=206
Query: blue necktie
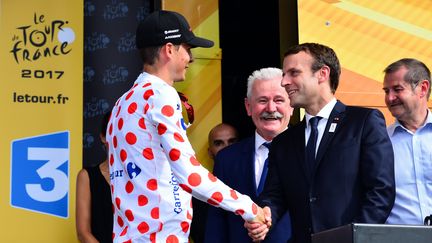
x=264, y=171
x=311, y=145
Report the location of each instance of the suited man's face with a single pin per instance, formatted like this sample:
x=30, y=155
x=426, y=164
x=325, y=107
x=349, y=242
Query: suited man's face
x=300, y=83
x=403, y=101
x=219, y=137
x=269, y=107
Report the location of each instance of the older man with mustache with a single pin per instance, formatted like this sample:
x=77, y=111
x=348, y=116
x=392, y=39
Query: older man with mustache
x=243, y=165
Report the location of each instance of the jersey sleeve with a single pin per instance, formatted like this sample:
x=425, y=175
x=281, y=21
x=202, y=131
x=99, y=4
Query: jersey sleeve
x=166, y=115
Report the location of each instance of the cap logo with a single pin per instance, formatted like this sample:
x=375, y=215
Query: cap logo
x=172, y=32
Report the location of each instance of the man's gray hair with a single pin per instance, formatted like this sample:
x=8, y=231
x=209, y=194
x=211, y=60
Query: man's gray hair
x=262, y=74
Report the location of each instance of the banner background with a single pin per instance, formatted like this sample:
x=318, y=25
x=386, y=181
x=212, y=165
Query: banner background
x=57, y=79
x=368, y=36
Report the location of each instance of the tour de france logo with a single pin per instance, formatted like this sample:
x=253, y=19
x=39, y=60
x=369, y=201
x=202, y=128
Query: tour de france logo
x=41, y=39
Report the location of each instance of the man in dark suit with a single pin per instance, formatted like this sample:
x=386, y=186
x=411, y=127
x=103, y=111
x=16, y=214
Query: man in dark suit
x=242, y=165
x=348, y=174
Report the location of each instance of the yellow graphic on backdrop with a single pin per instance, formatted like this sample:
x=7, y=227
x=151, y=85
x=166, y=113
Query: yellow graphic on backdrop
x=367, y=36
x=41, y=53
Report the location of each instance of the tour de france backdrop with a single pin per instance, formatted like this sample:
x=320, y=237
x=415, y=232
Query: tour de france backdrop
x=41, y=55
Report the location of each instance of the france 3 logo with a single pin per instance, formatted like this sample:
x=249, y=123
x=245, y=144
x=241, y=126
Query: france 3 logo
x=40, y=174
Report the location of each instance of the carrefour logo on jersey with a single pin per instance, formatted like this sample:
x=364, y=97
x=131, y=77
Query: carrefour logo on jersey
x=40, y=174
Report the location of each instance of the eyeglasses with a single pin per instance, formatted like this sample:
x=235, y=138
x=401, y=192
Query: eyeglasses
x=188, y=107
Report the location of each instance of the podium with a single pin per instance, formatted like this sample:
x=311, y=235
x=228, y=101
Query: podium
x=375, y=233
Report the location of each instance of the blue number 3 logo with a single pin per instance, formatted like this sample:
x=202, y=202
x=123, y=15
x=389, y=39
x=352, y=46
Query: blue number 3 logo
x=40, y=174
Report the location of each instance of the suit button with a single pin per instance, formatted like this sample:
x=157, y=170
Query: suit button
x=312, y=199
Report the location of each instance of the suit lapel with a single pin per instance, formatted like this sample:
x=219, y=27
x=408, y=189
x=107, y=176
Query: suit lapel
x=300, y=147
x=333, y=124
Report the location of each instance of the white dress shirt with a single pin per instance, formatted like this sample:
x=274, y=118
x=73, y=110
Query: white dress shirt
x=325, y=114
x=261, y=154
x=413, y=173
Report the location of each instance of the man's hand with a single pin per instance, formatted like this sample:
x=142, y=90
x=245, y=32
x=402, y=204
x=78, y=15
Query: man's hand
x=259, y=227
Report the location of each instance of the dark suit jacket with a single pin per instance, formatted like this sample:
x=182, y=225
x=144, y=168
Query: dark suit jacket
x=353, y=178
x=235, y=166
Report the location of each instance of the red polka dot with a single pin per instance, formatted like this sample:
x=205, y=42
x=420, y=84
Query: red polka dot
x=129, y=215
x=141, y=123
x=146, y=107
x=167, y=110
x=132, y=108
x=124, y=231
x=112, y=191
x=120, y=221
x=184, y=226
x=194, y=161
x=153, y=237
x=110, y=129
x=131, y=138
x=142, y=200
x=194, y=179
x=113, y=235
x=148, y=153
x=123, y=155
x=117, y=202
x=146, y=85
x=147, y=94
x=118, y=111
x=134, y=85
x=115, y=141
x=155, y=213
x=239, y=212
x=129, y=94
x=174, y=154
x=161, y=128
x=129, y=187
x=143, y=227
x=172, y=239
x=254, y=208
x=152, y=184
x=234, y=194
x=216, y=198
x=211, y=177
x=189, y=215
x=128, y=241
x=186, y=188
x=111, y=160
x=120, y=123
x=178, y=137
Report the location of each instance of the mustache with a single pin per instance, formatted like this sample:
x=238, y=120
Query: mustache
x=271, y=115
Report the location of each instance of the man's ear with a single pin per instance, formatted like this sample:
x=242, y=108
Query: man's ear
x=210, y=154
x=247, y=106
x=424, y=88
x=167, y=50
x=324, y=74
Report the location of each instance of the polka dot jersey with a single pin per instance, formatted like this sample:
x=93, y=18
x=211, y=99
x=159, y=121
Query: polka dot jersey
x=153, y=169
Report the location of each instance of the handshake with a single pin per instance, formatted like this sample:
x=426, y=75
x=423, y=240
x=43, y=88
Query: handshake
x=260, y=225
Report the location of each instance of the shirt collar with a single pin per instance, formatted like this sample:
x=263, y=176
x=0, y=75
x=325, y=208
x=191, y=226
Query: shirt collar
x=324, y=112
x=398, y=126
x=144, y=76
x=259, y=140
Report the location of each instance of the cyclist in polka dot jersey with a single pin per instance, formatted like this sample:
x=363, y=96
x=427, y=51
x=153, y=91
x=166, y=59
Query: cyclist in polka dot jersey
x=153, y=169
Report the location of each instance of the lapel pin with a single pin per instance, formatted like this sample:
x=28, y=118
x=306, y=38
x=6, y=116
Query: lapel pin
x=332, y=127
